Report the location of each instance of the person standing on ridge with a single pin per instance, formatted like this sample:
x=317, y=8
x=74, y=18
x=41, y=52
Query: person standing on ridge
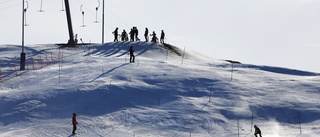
x=257, y=131
x=132, y=57
x=146, y=33
x=131, y=35
x=74, y=123
x=135, y=34
x=162, y=37
x=124, y=36
x=115, y=33
x=154, y=37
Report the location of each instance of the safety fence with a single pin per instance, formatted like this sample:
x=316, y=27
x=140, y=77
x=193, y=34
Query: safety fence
x=31, y=63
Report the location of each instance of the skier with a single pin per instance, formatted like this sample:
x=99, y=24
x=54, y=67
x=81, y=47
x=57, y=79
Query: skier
x=74, y=123
x=115, y=33
x=257, y=131
x=135, y=33
x=76, y=39
x=146, y=33
x=132, y=57
x=154, y=37
x=131, y=35
x=124, y=36
x=162, y=37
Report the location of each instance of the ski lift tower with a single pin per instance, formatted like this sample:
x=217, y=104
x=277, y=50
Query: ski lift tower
x=22, y=55
x=71, y=42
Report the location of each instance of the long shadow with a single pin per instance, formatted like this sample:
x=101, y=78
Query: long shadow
x=286, y=114
x=109, y=71
x=281, y=70
x=97, y=102
x=119, y=49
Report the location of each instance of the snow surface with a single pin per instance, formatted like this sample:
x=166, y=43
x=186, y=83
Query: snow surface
x=162, y=94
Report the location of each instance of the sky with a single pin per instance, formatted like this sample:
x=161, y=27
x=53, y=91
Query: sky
x=283, y=33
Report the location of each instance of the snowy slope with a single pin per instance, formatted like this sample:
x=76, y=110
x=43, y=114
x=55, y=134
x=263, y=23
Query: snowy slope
x=161, y=94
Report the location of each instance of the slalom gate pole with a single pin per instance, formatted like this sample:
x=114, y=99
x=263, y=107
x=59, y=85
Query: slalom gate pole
x=32, y=63
x=231, y=71
x=238, y=128
x=27, y=63
x=167, y=54
x=40, y=62
x=51, y=58
x=59, y=56
x=183, y=55
x=299, y=122
x=15, y=69
x=251, y=121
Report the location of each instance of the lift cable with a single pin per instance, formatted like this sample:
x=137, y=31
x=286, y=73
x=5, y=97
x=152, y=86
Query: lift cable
x=5, y=1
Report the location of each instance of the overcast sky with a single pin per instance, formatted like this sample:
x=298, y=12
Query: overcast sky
x=282, y=33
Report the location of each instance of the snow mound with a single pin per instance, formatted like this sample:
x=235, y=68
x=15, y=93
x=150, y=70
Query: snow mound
x=166, y=92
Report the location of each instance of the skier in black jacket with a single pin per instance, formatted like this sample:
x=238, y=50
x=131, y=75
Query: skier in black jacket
x=132, y=57
x=257, y=131
x=115, y=33
x=162, y=37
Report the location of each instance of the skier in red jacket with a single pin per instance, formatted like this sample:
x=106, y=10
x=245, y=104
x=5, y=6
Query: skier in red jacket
x=74, y=123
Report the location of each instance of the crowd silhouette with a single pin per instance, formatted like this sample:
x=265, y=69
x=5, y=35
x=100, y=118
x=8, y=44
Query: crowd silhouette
x=133, y=35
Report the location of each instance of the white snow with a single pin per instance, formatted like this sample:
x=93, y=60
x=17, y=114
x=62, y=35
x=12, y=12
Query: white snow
x=160, y=95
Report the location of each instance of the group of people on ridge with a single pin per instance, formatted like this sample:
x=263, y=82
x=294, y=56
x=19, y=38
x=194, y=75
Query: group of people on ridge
x=134, y=35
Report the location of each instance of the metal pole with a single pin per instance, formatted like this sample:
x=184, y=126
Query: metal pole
x=102, y=21
x=71, y=40
x=238, y=128
x=22, y=55
x=22, y=26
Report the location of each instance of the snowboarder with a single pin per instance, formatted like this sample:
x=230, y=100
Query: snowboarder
x=115, y=33
x=132, y=57
x=257, y=131
x=124, y=36
x=162, y=37
x=146, y=33
x=74, y=123
x=154, y=37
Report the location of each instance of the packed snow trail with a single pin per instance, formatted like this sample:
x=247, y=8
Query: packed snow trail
x=156, y=96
